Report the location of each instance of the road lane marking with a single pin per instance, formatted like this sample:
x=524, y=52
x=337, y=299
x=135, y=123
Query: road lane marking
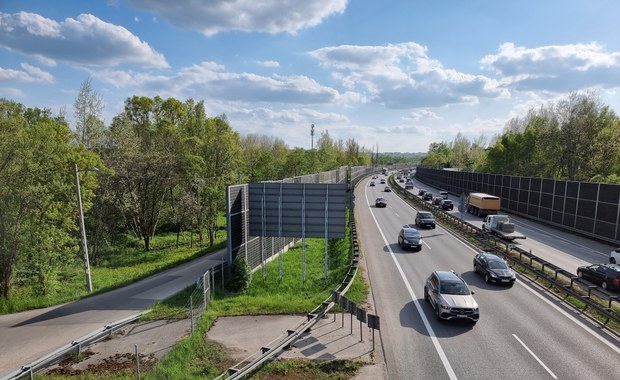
x=535, y=357
x=573, y=319
x=427, y=325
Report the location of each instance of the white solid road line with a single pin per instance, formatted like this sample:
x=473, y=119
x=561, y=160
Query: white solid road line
x=535, y=357
x=427, y=325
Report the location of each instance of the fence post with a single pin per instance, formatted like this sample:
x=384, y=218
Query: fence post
x=204, y=291
x=137, y=363
x=191, y=314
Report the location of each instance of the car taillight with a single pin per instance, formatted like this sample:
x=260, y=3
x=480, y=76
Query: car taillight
x=616, y=281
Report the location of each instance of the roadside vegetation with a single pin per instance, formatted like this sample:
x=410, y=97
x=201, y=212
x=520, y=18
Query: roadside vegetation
x=121, y=266
x=196, y=357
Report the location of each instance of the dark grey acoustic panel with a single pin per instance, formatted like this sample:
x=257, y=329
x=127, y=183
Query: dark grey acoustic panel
x=297, y=209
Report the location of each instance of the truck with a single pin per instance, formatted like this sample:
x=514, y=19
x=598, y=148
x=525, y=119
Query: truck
x=500, y=226
x=481, y=204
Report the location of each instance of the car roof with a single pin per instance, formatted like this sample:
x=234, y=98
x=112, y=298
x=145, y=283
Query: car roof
x=490, y=256
x=447, y=275
x=409, y=227
x=613, y=266
x=425, y=213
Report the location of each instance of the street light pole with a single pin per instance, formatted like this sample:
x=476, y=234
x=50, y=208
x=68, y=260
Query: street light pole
x=84, y=245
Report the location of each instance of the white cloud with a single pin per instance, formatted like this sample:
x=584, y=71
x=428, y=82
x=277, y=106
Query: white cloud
x=29, y=74
x=269, y=63
x=269, y=16
x=85, y=40
x=402, y=76
x=9, y=92
x=557, y=68
x=210, y=80
x=421, y=114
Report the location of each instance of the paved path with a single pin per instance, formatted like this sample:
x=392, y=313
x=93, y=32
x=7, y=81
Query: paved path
x=28, y=336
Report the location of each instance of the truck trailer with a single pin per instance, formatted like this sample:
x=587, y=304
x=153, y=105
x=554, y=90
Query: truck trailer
x=481, y=204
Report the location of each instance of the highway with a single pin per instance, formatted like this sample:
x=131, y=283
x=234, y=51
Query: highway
x=522, y=332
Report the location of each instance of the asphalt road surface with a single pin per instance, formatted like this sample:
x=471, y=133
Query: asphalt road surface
x=522, y=332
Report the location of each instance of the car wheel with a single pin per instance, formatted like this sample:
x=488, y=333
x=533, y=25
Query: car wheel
x=475, y=269
x=612, y=260
x=437, y=314
x=604, y=285
x=579, y=274
x=487, y=279
x=425, y=294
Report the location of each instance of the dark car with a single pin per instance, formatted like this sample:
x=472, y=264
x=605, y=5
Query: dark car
x=409, y=237
x=409, y=186
x=494, y=269
x=446, y=204
x=387, y=189
x=424, y=219
x=428, y=196
x=421, y=192
x=450, y=296
x=605, y=275
x=401, y=180
x=380, y=202
x=372, y=183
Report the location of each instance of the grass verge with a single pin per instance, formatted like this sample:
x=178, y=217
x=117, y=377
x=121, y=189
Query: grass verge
x=120, y=266
x=195, y=357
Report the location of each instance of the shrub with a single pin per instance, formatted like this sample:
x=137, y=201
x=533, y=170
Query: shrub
x=241, y=275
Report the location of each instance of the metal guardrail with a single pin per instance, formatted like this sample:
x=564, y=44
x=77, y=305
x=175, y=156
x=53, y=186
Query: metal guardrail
x=73, y=347
x=267, y=352
x=591, y=295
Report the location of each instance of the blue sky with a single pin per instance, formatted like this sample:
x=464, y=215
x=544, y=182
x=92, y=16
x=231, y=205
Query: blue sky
x=395, y=75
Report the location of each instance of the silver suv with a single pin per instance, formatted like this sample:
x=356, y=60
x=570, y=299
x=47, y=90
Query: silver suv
x=450, y=296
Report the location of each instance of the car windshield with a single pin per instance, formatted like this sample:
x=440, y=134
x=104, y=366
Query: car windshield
x=498, y=264
x=412, y=233
x=426, y=215
x=447, y=202
x=457, y=288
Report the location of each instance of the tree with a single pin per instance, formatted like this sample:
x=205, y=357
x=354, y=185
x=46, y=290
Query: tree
x=89, y=126
x=145, y=143
x=38, y=223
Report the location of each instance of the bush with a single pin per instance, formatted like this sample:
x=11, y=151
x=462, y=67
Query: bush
x=241, y=275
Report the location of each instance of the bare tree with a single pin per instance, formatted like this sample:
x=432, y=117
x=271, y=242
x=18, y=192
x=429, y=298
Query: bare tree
x=89, y=126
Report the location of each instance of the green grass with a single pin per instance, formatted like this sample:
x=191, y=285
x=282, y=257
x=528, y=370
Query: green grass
x=194, y=357
x=121, y=266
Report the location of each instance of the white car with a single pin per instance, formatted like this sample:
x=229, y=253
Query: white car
x=614, y=256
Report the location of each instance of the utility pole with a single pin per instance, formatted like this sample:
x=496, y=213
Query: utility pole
x=89, y=283
x=312, y=136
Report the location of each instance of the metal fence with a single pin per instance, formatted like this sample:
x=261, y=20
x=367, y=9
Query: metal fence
x=589, y=208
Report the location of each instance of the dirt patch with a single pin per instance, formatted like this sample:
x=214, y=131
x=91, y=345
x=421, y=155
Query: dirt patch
x=153, y=339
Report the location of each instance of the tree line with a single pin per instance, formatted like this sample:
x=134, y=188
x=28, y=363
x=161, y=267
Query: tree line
x=160, y=164
x=576, y=138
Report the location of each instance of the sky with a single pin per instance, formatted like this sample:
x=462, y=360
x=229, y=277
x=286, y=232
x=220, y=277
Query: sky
x=393, y=75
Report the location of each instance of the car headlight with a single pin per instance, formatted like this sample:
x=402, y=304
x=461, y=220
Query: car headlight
x=444, y=306
x=493, y=274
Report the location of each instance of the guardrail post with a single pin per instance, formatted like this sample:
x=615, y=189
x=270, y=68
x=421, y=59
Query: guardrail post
x=612, y=298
